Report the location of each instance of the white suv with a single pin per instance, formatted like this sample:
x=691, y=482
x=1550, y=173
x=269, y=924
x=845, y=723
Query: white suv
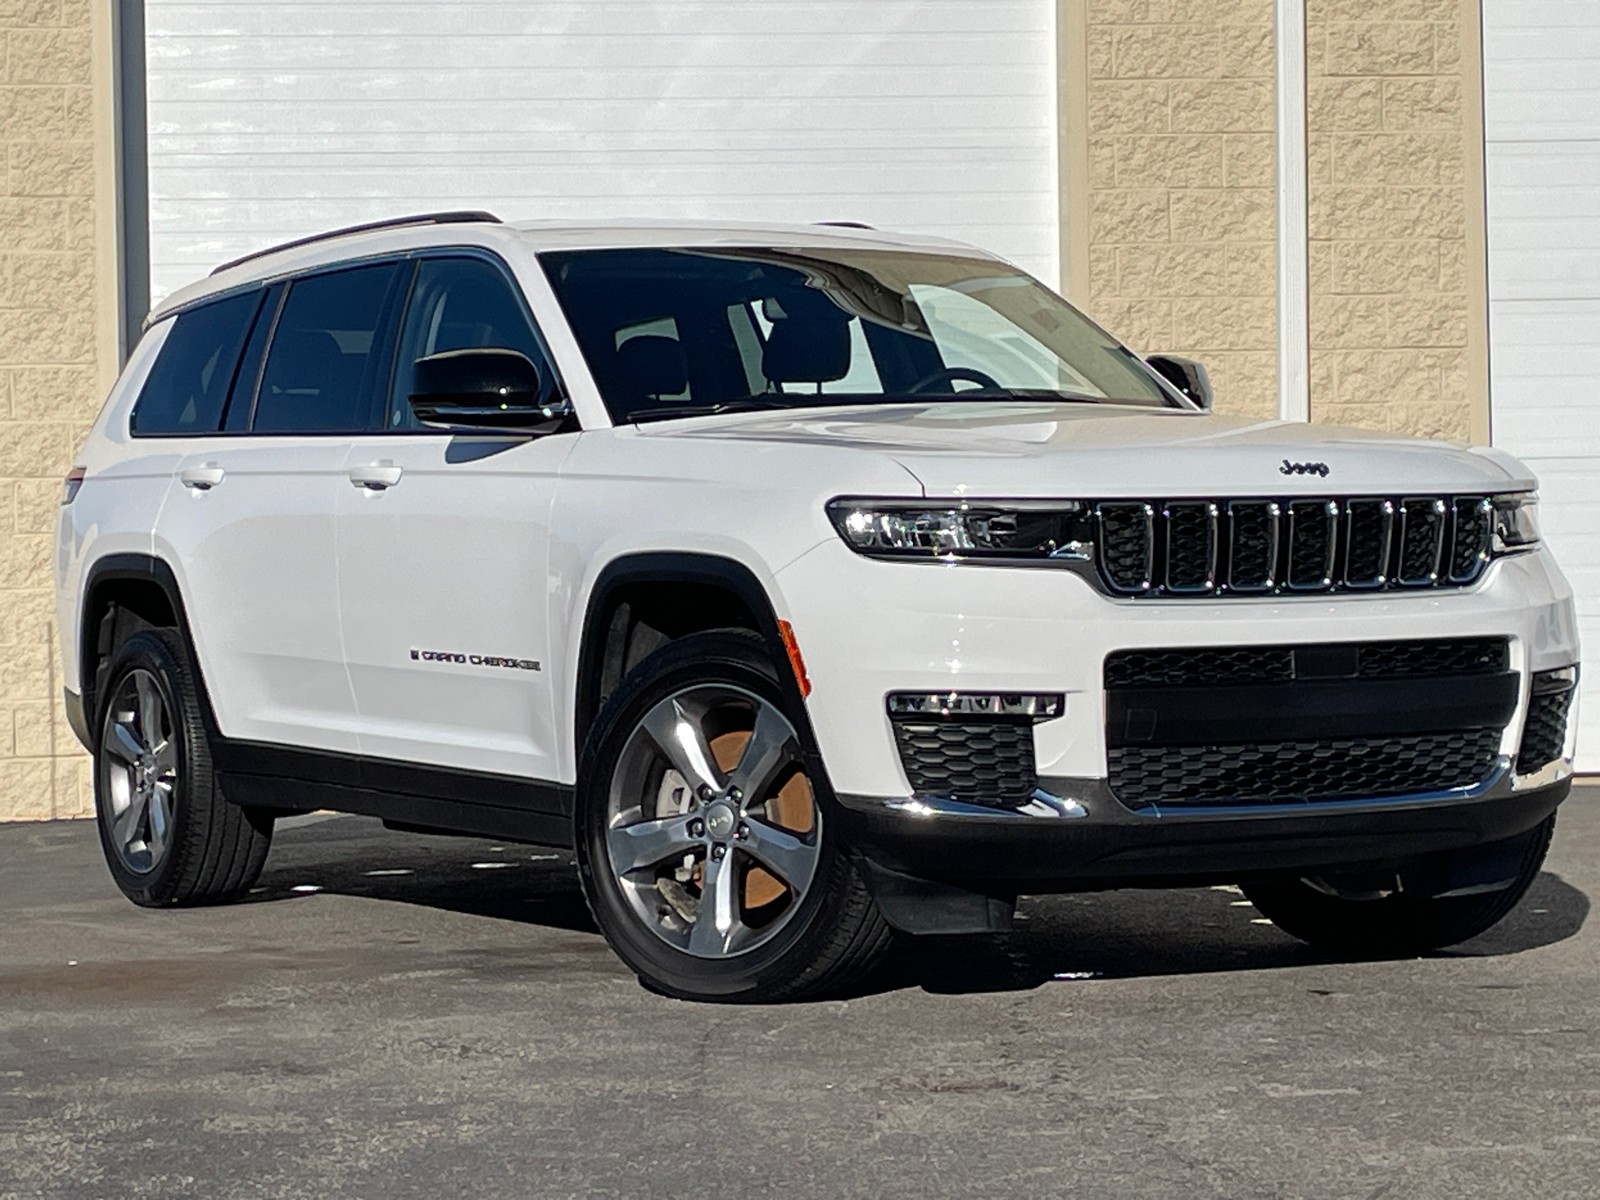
x=811, y=583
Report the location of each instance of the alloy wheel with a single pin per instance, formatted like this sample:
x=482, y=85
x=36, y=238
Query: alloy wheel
x=139, y=772
x=712, y=829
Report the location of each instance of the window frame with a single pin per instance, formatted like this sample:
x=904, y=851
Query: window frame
x=259, y=287
x=391, y=322
x=377, y=416
x=383, y=335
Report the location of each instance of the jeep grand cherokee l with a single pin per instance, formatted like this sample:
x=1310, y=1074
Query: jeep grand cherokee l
x=810, y=583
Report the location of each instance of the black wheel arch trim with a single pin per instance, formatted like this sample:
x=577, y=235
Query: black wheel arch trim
x=681, y=567
x=143, y=568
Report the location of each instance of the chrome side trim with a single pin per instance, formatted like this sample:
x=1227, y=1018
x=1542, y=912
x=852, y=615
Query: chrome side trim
x=1052, y=806
x=1041, y=806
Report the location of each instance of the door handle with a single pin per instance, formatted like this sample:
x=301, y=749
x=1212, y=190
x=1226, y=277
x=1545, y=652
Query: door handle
x=202, y=479
x=376, y=476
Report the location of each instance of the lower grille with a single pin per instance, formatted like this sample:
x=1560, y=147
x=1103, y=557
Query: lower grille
x=1267, y=664
x=1544, y=735
x=1303, y=770
x=979, y=762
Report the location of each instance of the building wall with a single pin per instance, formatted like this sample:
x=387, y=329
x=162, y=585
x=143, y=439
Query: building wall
x=1169, y=185
x=1398, y=268
x=1181, y=177
x=57, y=356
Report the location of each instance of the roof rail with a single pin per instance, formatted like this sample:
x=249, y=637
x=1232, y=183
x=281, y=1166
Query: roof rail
x=463, y=216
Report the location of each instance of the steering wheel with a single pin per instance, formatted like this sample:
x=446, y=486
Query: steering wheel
x=951, y=374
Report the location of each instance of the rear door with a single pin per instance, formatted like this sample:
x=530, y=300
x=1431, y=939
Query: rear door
x=251, y=519
x=443, y=552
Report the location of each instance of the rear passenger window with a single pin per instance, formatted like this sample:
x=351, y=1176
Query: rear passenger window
x=325, y=354
x=188, y=385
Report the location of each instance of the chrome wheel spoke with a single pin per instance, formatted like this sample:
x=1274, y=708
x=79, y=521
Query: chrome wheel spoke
x=160, y=823
x=718, y=918
x=649, y=843
x=126, y=824
x=124, y=743
x=680, y=737
x=166, y=759
x=785, y=855
x=151, y=709
x=769, y=748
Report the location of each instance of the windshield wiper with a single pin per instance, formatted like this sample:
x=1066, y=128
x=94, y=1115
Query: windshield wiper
x=665, y=413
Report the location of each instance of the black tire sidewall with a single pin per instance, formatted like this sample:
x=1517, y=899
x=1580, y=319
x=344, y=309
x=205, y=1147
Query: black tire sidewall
x=1397, y=924
x=739, y=659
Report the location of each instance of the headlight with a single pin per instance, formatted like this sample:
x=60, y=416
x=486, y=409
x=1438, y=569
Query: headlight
x=1057, y=529
x=1516, y=523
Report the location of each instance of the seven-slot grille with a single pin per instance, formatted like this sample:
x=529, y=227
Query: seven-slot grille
x=1260, y=547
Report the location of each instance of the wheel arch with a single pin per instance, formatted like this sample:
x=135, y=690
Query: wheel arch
x=122, y=594
x=642, y=601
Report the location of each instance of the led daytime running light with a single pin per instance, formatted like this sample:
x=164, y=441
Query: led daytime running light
x=1037, y=706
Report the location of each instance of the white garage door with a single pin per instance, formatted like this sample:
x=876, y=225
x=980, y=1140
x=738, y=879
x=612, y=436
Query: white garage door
x=271, y=121
x=1542, y=114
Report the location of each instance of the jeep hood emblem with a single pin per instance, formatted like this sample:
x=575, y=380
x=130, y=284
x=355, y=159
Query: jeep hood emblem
x=1305, y=468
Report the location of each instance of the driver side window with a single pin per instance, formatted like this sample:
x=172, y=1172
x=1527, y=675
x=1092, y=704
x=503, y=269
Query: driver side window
x=458, y=304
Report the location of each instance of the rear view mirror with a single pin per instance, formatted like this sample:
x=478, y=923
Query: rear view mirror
x=491, y=388
x=1185, y=374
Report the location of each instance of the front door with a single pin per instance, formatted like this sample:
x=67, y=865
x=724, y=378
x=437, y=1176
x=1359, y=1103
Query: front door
x=443, y=555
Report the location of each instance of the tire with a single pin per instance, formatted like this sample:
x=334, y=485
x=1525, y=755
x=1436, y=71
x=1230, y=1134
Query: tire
x=693, y=786
x=169, y=836
x=1317, y=910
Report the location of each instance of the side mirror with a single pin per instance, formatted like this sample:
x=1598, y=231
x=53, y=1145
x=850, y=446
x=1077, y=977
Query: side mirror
x=1185, y=374
x=491, y=389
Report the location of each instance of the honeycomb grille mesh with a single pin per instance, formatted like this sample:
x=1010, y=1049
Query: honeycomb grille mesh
x=1278, y=772
x=1275, y=664
x=1223, y=547
x=980, y=762
x=1126, y=548
x=1544, y=735
x=1367, y=523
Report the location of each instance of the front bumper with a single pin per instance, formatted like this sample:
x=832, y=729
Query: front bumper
x=870, y=628
x=1090, y=840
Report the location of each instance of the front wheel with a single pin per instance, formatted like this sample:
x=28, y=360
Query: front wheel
x=1352, y=916
x=701, y=837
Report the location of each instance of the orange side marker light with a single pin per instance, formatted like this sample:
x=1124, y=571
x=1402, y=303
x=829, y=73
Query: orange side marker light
x=796, y=663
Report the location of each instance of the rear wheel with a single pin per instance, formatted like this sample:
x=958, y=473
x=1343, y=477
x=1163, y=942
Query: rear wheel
x=701, y=835
x=1352, y=915
x=169, y=836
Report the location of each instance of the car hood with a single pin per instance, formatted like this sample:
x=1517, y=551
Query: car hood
x=1025, y=450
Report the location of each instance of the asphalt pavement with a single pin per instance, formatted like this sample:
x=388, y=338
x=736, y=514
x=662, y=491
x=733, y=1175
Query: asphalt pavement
x=403, y=1016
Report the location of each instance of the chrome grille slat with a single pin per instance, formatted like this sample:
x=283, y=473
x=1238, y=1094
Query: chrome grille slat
x=1313, y=541
x=1471, y=536
x=1368, y=526
x=1422, y=529
x=1253, y=545
x=1191, y=547
x=1127, y=546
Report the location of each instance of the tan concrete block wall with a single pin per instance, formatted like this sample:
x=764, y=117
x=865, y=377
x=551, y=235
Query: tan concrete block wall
x=52, y=372
x=1181, y=222
x=1396, y=281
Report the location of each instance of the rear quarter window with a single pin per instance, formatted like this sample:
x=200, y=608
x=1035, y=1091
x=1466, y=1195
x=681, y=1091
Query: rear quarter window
x=188, y=386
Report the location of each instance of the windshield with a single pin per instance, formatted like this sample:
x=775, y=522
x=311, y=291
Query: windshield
x=678, y=332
